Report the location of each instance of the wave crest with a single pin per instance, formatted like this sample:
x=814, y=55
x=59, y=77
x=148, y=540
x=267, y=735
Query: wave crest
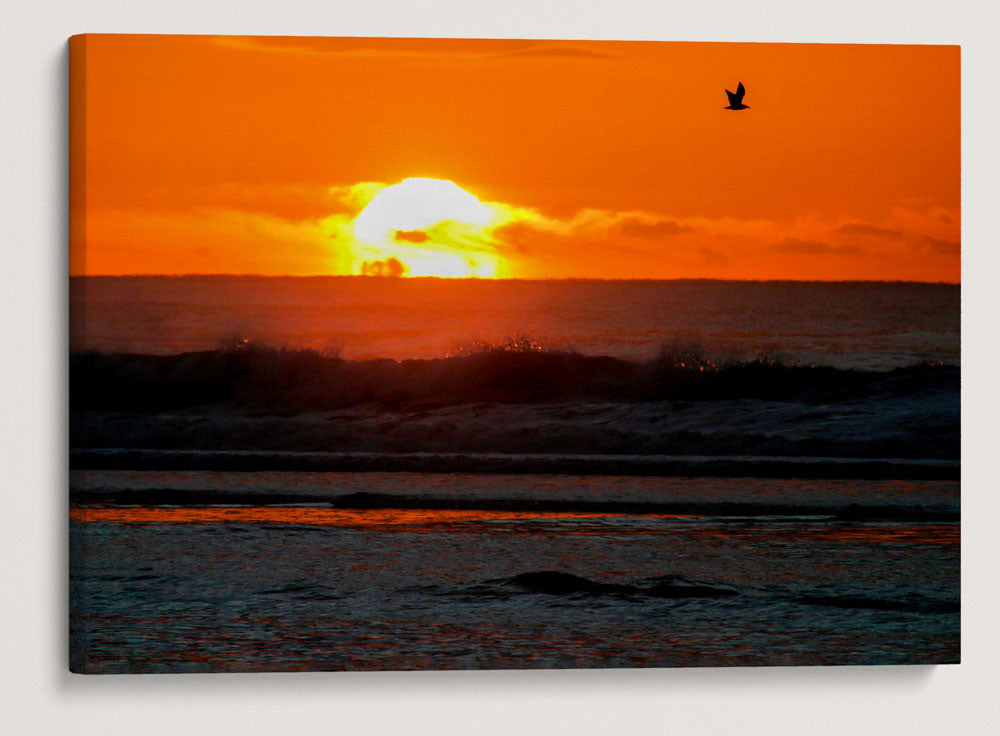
x=285, y=381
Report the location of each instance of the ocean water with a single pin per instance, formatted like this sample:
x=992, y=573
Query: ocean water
x=467, y=575
x=849, y=325
x=585, y=499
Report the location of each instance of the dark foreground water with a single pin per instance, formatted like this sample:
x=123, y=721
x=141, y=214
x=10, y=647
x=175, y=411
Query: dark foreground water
x=541, y=520
x=434, y=571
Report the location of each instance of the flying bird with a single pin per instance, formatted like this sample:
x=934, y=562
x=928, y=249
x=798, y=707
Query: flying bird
x=736, y=100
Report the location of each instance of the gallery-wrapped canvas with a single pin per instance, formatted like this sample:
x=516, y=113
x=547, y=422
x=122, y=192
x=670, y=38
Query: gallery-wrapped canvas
x=402, y=354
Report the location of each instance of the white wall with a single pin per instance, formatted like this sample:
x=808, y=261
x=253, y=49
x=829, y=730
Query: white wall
x=38, y=695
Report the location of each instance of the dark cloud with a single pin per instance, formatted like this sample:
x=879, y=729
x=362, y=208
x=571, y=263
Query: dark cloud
x=521, y=237
x=636, y=228
x=524, y=239
x=411, y=236
x=940, y=245
x=814, y=247
x=392, y=267
x=864, y=228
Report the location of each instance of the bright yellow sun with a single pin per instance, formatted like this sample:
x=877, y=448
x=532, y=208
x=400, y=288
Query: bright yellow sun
x=427, y=227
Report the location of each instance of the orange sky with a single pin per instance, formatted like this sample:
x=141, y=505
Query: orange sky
x=198, y=154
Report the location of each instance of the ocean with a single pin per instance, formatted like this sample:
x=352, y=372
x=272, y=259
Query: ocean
x=363, y=473
x=847, y=325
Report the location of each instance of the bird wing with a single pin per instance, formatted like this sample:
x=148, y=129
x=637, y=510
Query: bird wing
x=733, y=99
x=740, y=91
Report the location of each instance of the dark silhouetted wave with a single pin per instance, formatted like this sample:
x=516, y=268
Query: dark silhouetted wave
x=449, y=414
x=679, y=588
x=558, y=583
x=294, y=381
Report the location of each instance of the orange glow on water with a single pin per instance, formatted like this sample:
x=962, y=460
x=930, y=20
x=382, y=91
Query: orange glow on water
x=367, y=519
x=525, y=522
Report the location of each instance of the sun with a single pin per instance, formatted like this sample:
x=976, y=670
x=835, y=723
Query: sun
x=427, y=227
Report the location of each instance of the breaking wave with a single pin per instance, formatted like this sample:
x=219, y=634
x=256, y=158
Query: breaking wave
x=509, y=399
x=293, y=381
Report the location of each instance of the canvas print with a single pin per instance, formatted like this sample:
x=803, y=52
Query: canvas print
x=420, y=354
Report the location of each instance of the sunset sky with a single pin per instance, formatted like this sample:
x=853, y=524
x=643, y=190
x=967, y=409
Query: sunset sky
x=518, y=159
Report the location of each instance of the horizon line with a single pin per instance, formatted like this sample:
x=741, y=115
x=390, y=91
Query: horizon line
x=486, y=280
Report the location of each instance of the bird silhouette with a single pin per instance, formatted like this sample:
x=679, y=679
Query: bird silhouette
x=736, y=99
